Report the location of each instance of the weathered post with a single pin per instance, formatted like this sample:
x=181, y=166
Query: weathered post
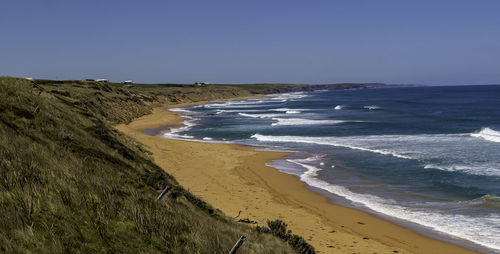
x=162, y=193
x=237, y=215
x=238, y=245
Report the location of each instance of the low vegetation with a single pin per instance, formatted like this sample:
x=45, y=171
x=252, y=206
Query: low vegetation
x=69, y=182
x=278, y=229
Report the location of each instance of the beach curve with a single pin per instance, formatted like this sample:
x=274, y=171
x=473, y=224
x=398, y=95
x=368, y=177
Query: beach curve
x=234, y=178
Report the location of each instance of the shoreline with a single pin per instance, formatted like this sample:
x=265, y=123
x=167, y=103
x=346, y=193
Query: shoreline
x=237, y=178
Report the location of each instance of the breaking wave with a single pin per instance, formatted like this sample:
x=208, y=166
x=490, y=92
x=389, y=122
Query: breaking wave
x=299, y=121
x=481, y=169
x=487, y=134
x=259, y=115
x=424, y=148
x=183, y=110
x=241, y=104
x=288, y=109
x=288, y=96
x=220, y=111
x=467, y=227
x=372, y=107
x=324, y=141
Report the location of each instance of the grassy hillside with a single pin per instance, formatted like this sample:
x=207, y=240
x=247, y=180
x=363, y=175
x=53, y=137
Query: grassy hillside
x=69, y=182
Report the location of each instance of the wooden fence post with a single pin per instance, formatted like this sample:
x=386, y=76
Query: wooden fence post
x=162, y=193
x=238, y=245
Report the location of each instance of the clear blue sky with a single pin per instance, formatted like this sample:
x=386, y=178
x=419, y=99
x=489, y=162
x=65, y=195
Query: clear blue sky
x=431, y=42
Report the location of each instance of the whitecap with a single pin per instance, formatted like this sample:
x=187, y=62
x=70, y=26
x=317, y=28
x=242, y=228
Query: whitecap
x=447, y=152
x=259, y=115
x=487, y=134
x=324, y=141
x=287, y=109
x=300, y=121
x=481, y=169
x=220, y=111
x=467, y=227
x=373, y=107
x=288, y=96
x=180, y=110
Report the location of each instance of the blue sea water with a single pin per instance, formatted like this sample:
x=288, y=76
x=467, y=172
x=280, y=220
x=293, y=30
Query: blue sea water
x=426, y=155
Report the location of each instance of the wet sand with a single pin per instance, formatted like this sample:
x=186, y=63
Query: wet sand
x=234, y=178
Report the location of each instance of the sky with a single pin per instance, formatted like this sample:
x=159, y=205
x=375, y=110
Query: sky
x=427, y=42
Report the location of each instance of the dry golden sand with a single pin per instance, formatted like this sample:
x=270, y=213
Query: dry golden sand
x=234, y=178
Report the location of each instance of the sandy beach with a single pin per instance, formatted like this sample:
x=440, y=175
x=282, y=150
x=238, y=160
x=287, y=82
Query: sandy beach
x=234, y=178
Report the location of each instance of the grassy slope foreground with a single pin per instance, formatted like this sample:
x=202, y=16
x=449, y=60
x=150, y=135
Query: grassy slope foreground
x=69, y=182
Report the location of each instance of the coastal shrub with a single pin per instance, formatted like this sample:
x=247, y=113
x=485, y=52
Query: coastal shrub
x=299, y=244
x=262, y=229
x=278, y=228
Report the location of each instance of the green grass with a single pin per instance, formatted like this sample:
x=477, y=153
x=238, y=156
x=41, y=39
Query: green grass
x=71, y=183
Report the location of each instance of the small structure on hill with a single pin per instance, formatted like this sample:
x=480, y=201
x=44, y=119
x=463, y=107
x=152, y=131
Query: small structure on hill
x=103, y=80
x=127, y=82
x=89, y=79
x=201, y=83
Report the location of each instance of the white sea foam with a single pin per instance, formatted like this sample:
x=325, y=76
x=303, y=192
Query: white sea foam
x=228, y=105
x=373, y=107
x=448, y=152
x=220, y=111
x=207, y=138
x=176, y=136
x=287, y=96
x=481, y=169
x=324, y=141
x=300, y=121
x=239, y=104
x=287, y=109
x=174, y=132
x=487, y=134
x=244, y=102
x=482, y=231
x=292, y=112
x=188, y=123
x=180, y=110
x=260, y=115
x=339, y=107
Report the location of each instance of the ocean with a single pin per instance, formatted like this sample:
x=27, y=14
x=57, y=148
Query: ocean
x=424, y=157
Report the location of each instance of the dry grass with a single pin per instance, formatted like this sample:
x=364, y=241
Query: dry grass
x=70, y=183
